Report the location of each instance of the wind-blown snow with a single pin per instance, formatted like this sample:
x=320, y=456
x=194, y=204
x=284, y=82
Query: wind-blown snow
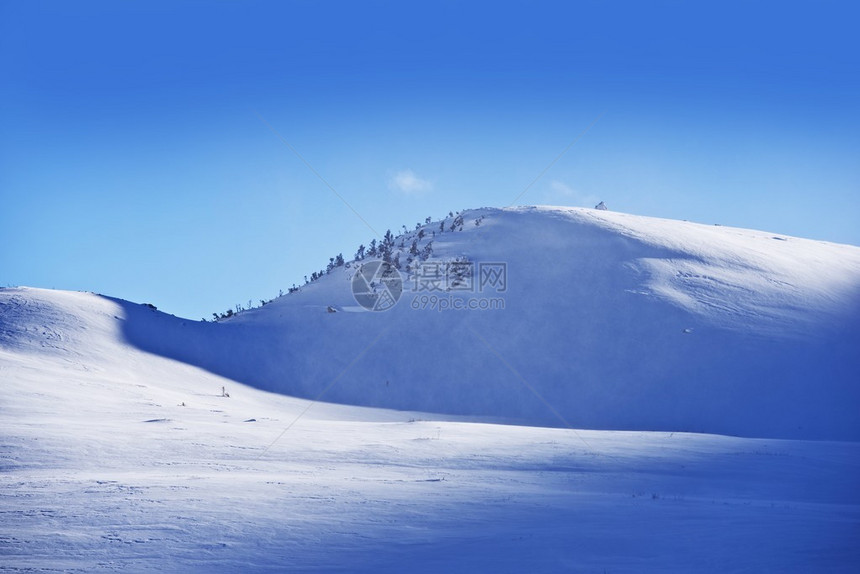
x=781, y=286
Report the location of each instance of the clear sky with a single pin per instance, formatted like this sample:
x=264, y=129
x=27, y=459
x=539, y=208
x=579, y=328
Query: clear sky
x=143, y=154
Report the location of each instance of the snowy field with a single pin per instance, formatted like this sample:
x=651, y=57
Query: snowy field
x=115, y=455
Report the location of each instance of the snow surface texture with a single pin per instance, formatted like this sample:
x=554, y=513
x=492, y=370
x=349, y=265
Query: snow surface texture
x=113, y=459
x=610, y=321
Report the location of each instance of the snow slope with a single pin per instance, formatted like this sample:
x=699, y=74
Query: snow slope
x=610, y=321
x=115, y=459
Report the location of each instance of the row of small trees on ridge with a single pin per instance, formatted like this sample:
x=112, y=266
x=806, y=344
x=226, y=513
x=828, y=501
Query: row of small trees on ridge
x=388, y=249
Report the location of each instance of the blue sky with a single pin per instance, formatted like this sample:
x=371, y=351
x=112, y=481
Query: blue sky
x=134, y=161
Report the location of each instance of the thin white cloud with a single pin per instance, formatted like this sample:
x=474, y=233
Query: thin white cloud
x=405, y=181
x=560, y=192
x=560, y=188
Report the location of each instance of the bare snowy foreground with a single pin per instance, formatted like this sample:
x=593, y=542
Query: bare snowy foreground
x=119, y=452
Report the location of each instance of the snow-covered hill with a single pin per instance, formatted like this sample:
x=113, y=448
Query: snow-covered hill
x=605, y=321
x=114, y=459
x=120, y=452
